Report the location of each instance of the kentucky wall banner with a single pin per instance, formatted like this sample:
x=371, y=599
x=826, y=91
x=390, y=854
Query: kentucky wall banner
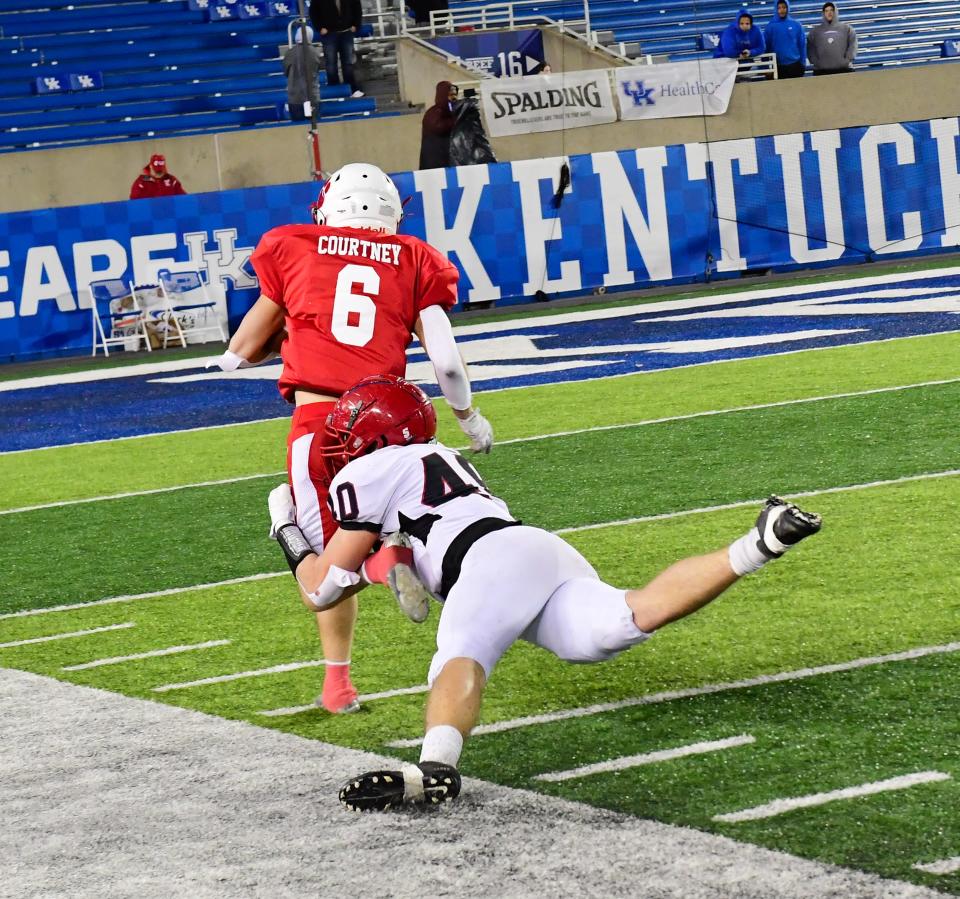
x=628, y=219
x=675, y=89
x=547, y=102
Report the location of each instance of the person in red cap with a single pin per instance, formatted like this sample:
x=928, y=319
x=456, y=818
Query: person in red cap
x=156, y=181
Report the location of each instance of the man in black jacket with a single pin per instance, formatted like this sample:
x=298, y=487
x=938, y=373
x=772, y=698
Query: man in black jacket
x=337, y=21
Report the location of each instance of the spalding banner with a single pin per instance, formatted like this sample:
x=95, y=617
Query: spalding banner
x=547, y=102
x=625, y=219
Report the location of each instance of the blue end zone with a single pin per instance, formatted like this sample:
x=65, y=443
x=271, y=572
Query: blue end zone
x=568, y=347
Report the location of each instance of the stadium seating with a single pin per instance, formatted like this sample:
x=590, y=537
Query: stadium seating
x=141, y=69
x=890, y=32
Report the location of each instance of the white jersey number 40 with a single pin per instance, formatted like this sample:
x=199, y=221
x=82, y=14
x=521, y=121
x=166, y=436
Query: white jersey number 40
x=354, y=313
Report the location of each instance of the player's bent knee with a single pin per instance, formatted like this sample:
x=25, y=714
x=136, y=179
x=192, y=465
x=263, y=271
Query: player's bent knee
x=485, y=659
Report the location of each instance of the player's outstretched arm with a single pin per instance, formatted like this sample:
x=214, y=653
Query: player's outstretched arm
x=257, y=339
x=323, y=578
x=435, y=333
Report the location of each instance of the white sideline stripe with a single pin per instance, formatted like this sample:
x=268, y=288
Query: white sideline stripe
x=364, y=697
x=647, y=758
x=153, y=653
x=670, y=695
x=98, y=499
x=944, y=866
x=93, y=630
x=224, y=678
x=515, y=440
x=134, y=597
x=779, y=806
x=173, y=591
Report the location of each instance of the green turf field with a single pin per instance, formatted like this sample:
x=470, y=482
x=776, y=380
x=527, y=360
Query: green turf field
x=637, y=472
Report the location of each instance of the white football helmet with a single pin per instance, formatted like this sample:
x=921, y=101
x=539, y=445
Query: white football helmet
x=359, y=196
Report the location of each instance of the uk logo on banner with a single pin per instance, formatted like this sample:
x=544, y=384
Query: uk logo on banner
x=639, y=93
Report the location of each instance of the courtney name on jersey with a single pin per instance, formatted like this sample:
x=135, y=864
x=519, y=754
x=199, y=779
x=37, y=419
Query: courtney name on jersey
x=428, y=491
x=337, y=245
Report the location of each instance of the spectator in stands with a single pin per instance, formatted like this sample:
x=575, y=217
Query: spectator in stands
x=831, y=45
x=438, y=122
x=541, y=68
x=741, y=39
x=156, y=181
x=338, y=21
x=301, y=69
x=784, y=37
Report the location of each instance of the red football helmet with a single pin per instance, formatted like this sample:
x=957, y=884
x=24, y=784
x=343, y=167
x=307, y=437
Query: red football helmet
x=382, y=410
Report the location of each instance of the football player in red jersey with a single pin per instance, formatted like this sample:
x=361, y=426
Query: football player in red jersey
x=341, y=299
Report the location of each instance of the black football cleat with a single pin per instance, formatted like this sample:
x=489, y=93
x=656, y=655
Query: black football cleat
x=428, y=783
x=782, y=524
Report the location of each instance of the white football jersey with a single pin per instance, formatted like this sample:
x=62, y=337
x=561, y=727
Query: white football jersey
x=428, y=491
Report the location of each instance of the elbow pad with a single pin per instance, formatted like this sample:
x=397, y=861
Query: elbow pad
x=332, y=586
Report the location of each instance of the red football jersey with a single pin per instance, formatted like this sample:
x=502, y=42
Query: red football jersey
x=351, y=298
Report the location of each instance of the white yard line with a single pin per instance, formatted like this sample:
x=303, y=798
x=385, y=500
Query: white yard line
x=174, y=591
x=647, y=758
x=779, y=806
x=670, y=695
x=892, y=482
x=364, y=697
x=709, y=413
x=224, y=678
x=152, y=654
x=67, y=636
x=944, y=866
x=135, y=597
x=732, y=409
x=98, y=499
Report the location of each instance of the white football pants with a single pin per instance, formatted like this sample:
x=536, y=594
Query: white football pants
x=525, y=583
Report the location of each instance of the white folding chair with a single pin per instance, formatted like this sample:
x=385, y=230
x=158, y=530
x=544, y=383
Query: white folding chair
x=117, y=316
x=188, y=307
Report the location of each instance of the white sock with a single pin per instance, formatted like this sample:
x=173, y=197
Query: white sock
x=442, y=743
x=745, y=554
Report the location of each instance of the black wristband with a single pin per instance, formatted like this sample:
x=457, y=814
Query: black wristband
x=294, y=545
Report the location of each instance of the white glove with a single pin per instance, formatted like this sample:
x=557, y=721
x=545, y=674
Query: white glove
x=282, y=509
x=229, y=362
x=478, y=429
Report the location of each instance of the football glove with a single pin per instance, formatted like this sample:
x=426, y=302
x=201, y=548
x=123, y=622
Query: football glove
x=478, y=429
x=282, y=509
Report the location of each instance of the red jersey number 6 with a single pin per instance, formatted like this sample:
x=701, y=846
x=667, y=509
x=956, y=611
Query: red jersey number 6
x=354, y=313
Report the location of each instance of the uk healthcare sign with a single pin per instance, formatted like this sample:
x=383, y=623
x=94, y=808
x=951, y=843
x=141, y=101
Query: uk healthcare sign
x=626, y=219
x=670, y=90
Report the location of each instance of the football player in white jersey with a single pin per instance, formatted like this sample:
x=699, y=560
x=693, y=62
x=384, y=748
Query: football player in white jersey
x=498, y=579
